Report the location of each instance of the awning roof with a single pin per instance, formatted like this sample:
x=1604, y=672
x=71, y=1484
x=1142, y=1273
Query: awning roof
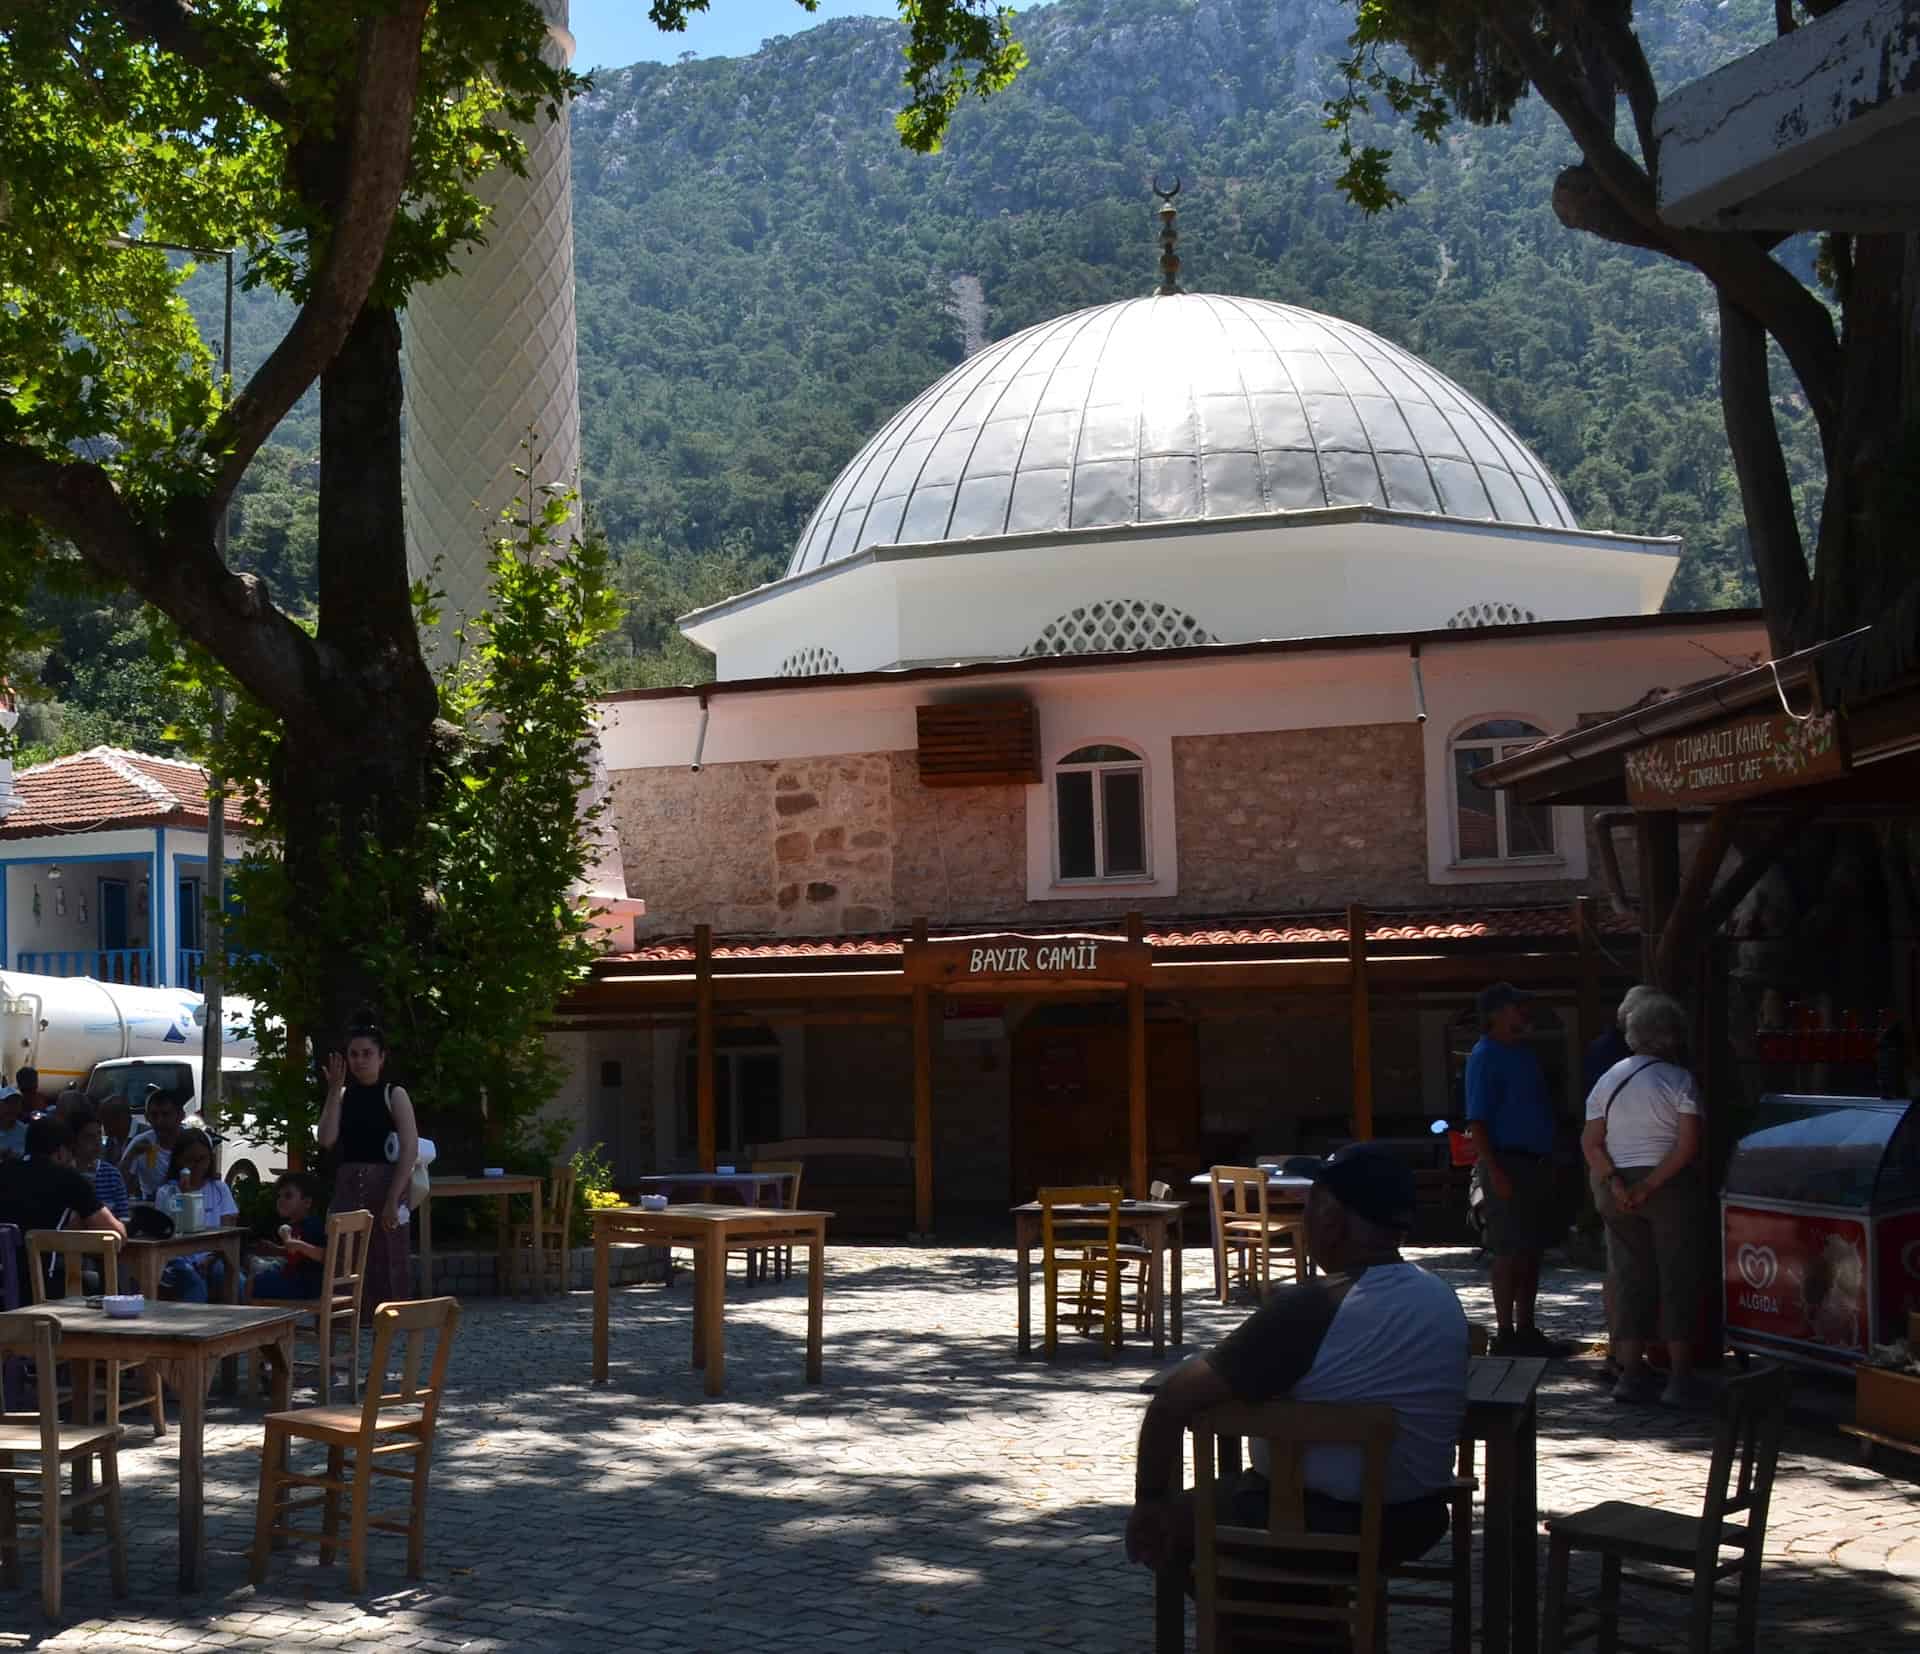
x=1194, y=938
x=1588, y=766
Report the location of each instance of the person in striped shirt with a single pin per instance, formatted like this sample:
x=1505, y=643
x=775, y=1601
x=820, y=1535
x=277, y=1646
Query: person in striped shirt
x=89, y=1138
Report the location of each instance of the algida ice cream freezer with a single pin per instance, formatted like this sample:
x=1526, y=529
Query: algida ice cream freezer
x=1820, y=1228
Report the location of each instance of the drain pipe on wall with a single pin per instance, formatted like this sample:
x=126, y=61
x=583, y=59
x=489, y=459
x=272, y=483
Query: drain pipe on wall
x=1600, y=831
x=1419, y=684
x=700, y=739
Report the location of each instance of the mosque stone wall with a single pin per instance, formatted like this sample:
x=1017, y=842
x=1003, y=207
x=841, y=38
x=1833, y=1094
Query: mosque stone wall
x=1301, y=818
x=794, y=848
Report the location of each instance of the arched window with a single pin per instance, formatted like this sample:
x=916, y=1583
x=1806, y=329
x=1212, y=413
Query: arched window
x=1490, y=826
x=1100, y=814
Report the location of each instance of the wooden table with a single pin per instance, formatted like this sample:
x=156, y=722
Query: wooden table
x=1501, y=1412
x=186, y=1337
x=750, y=1186
x=711, y=1231
x=501, y=1189
x=1163, y=1225
x=143, y=1261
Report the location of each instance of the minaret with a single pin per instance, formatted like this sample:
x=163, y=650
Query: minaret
x=491, y=353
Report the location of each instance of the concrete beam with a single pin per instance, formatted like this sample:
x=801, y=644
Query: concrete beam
x=1818, y=130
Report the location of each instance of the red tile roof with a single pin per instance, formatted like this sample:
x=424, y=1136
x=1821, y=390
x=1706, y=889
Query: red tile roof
x=1293, y=931
x=105, y=787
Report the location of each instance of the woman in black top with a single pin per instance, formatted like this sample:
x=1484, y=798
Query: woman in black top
x=361, y=1111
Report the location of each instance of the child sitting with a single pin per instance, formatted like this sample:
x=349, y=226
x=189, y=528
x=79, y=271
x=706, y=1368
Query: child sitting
x=90, y=1160
x=190, y=1171
x=146, y=1164
x=116, y=1125
x=302, y=1241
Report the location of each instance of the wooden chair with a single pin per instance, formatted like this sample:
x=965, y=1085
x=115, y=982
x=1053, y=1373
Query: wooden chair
x=389, y=1434
x=1245, y=1227
x=780, y=1256
x=1330, y=1593
x=1751, y=1414
x=39, y=1436
x=555, y=1240
x=335, y=1314
x=13, y=1265
x=74, y=1247
x=1136, y=1266
x=1086, y=1244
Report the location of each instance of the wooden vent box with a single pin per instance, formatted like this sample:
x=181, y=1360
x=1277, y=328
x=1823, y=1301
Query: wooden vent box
x=979, y=744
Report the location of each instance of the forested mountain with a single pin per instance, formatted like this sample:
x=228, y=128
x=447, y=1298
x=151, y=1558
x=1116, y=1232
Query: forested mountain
x=765, y=275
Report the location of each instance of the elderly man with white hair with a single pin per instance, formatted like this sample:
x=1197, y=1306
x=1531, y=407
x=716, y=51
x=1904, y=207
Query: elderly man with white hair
x=1642, y=1144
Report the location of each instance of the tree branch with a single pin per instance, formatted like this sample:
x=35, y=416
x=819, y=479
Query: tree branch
x=176, y=570
x=1766, y=492
x=1581, y=202
x=1754, y=865
x=174, y=27
x=1607, y=25
x=1680, y=938
x=379, y=153
x=1733, y=261
x=1622, y=176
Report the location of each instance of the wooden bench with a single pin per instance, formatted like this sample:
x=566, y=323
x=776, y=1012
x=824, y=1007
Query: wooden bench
x=866, y=1182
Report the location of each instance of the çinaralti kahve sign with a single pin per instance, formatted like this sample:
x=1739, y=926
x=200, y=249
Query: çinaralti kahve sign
x=983, y=959
x=1741, y=758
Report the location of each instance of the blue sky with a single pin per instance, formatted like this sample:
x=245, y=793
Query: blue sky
x=613, y=33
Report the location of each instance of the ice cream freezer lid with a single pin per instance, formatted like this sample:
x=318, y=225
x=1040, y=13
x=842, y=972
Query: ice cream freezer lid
x=1857, y=1152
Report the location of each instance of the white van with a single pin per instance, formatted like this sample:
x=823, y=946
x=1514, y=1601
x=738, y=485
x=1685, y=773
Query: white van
x=242, y=1161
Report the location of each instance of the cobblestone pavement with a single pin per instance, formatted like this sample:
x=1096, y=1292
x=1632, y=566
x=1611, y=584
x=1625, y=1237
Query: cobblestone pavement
x=932, y=1494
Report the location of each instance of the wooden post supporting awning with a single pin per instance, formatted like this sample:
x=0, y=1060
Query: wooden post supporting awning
x=1137, y=1067
x=703, y=1044
x=1362, y=1020
x=922, y=1098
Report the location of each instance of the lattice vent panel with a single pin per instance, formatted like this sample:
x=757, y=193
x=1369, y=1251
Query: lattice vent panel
x=1491, y=614
x=1117, y=626
x=810, y=663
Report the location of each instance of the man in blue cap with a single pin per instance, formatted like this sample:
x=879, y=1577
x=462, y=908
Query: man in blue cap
x=1511, y=1118
x=1374, y=1328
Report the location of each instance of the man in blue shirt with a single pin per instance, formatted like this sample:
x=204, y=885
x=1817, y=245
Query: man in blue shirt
x=1511, y=1118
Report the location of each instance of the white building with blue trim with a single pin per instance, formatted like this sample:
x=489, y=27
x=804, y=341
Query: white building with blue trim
x=104, y=856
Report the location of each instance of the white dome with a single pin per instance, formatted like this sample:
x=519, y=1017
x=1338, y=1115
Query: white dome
x=1177, y=409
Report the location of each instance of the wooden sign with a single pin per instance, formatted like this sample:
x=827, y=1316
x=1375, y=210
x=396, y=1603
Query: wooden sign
x=1741, y=758
x=996, y=961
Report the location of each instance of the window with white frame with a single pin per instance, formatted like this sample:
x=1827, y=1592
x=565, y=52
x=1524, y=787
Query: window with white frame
x=1100, y=814
x=1491, y=826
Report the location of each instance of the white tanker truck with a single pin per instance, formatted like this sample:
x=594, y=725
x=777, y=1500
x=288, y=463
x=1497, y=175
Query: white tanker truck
x=63, y=1025
x=117, y=1040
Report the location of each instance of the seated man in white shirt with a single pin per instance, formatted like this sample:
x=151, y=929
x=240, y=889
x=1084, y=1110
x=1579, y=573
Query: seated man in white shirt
x=1374, y=1328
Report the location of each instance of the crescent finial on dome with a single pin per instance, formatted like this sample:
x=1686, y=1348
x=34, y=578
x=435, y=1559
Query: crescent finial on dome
x=1169, y=234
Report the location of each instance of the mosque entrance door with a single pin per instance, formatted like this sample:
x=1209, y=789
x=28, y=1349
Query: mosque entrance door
x=1070, y=1102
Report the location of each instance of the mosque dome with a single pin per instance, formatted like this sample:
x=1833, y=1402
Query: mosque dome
x=1176, y=409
